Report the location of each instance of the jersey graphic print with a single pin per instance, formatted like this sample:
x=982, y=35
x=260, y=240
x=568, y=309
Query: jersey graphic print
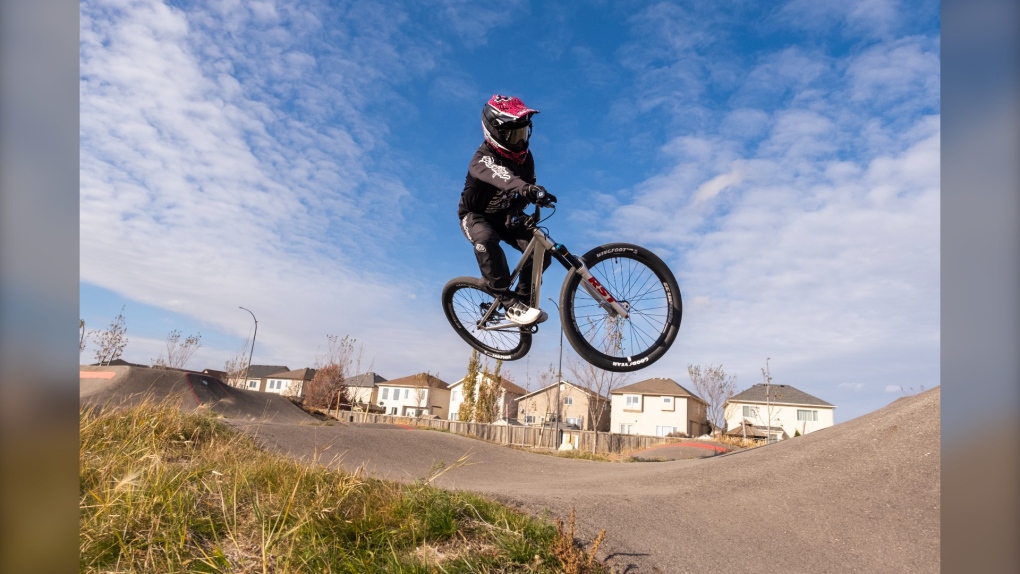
x=497, y=170
x=501, y=200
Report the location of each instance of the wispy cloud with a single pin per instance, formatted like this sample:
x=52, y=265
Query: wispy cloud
x=794, y=236
x=210, y=176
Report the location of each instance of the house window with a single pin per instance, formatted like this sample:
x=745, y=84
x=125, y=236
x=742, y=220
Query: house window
x=573, y=421
x=664, y=430
x=393, y=410
x=667, y=401
x=406, y=392
x=626, y=429
x=805, y=415
x=529, y=419
x=568, y=401
x=456, y=395
x=750, y=411
x=632, y=401
x=385, y=393
x=253, y=384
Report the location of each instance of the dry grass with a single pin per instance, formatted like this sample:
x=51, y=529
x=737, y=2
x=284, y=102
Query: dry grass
x=163, y=491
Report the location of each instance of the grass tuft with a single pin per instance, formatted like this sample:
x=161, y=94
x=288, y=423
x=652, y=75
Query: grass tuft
x=166, y=491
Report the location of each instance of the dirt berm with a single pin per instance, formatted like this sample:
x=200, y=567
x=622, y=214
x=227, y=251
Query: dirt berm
x=121, y=385
x=862, y=496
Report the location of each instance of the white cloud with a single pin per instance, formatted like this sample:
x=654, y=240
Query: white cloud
x=199, y=194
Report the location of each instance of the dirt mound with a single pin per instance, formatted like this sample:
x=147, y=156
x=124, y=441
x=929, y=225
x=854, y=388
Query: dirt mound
x=120, y=385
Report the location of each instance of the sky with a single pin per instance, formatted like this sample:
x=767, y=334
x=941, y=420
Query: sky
x=304, y=160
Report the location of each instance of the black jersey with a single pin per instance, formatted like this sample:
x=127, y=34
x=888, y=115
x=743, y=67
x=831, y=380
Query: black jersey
x=493, y=182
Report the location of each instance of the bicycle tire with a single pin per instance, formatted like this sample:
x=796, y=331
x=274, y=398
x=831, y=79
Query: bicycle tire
x=463, y=300
x=638, y=278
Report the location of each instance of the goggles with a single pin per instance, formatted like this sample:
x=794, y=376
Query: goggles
x=516, y=136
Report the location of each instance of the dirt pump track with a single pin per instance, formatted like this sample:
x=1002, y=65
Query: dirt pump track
x=862, y=496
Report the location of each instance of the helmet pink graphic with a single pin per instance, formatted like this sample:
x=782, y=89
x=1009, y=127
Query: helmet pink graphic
x=511, y=106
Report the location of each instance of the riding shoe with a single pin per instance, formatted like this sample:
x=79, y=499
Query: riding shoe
x=522, y=314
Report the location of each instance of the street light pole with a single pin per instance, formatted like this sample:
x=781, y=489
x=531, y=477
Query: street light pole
x=252, y=352
x=559, y=375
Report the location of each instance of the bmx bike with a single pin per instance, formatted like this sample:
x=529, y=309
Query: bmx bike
x=620, y=306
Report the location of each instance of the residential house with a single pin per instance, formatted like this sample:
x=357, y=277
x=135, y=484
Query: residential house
x=783, y=408
x=254, y=378
x=289, y=383
x=579, y=407
x=506, y=404
x=658, y=407
x=416, y=395
x=362, y=389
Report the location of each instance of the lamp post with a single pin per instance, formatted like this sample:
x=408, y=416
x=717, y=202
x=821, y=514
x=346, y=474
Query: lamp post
x=252, y=352
x=559, y=375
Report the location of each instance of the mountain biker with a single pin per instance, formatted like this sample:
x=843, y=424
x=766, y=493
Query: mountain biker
x=500, y=182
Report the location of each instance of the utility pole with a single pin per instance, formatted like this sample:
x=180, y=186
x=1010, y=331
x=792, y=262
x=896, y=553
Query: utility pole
x=252, y=352
x=559, y=378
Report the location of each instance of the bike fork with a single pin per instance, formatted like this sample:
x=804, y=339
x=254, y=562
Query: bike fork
x=597, y=291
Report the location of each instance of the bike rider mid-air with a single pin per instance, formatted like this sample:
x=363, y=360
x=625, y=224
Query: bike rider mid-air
x=500, y=182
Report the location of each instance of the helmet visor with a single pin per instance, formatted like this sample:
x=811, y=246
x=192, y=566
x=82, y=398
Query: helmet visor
x=516, y=137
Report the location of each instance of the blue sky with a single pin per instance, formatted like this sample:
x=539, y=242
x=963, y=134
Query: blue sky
x=305, y=159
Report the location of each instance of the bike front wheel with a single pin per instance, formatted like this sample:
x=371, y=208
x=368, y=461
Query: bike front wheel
x=642, y=284
x=465, y=302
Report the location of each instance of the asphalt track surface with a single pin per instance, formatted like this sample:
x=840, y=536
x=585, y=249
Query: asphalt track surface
x=862, y=496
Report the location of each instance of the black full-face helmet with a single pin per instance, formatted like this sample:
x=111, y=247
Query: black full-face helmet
x=506, y=123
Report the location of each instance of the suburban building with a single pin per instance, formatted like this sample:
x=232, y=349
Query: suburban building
x=579, y=407
x=416, y=395
x=288, y=383
x=362, y=389
x=781, y=407
x=658, y=407
x=254, y=378
x=506, y=404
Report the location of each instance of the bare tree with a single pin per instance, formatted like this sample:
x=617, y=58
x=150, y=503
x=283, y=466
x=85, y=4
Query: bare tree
x=237, y=366
x=600, y=383
x=426, y=382
x=715, y=387
x=112, y=341
x=770, y=415
x=328, y=387
x=177, y=353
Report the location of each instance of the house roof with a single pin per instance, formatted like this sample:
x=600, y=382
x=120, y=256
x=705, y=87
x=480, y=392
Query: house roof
x=553, y=386
x=510, y=387
x=779, y=394
x=417, y=381
x=221, y=375
x=657, y=386
x=367, y=380
x=305, y=374
x=259, y=371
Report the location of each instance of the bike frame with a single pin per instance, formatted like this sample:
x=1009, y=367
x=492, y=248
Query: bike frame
x=538, y=246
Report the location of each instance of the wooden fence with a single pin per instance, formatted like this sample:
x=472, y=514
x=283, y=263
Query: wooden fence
x=526, y=436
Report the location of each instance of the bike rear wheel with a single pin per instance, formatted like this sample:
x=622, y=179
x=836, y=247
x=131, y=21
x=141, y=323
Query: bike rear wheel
x=465, y=302
x=639, y=281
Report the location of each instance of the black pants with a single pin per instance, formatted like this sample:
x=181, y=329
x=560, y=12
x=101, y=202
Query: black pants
x=485, y=233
